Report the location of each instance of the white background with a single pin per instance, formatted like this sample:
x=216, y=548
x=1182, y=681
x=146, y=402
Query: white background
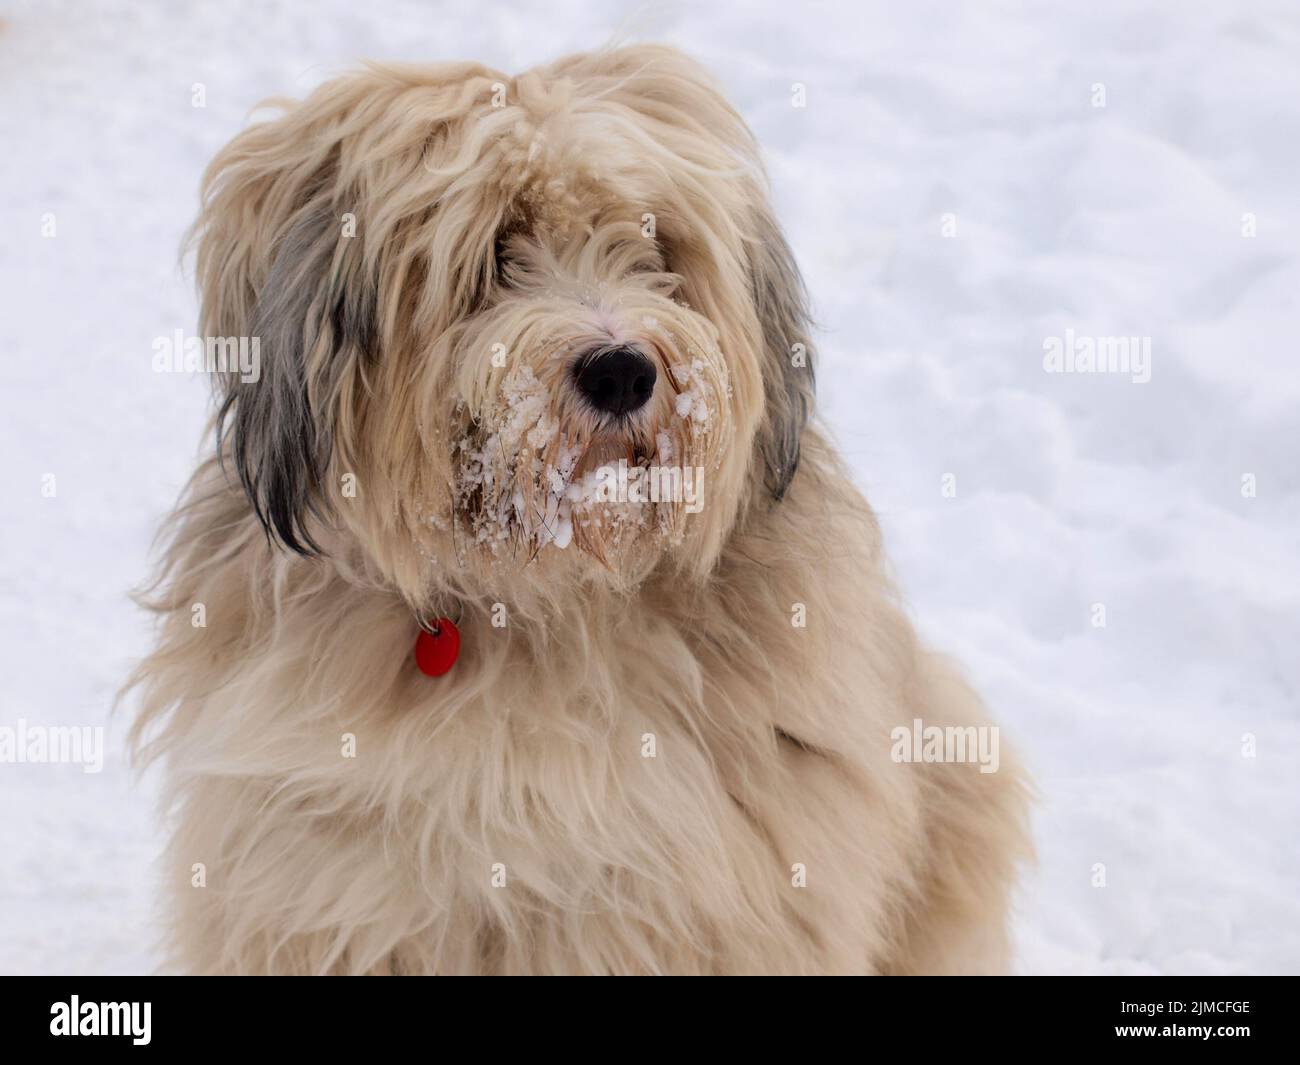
x=1071, y=490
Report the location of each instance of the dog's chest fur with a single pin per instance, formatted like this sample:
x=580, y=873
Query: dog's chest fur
x=664, y=782
x=677, y=781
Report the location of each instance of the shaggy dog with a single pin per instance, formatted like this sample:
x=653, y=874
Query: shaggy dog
x=666, y=742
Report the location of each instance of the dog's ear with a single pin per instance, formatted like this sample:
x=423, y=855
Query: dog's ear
x=312, y=334
x=781, y=302
x=275, y=265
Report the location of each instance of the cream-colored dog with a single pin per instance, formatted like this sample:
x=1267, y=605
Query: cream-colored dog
x=534, y=370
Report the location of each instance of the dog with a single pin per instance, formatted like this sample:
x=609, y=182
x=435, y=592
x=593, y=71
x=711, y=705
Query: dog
x=435, y=692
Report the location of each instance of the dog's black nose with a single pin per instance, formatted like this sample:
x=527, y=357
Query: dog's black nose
x=618, y=381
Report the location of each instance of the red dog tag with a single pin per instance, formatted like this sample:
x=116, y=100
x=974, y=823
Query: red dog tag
x=435, y=654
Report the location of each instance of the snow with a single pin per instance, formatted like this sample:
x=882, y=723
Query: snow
x=693, y=402
x=956, y=199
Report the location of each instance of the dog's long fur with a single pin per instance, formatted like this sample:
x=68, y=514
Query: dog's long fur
x=639, y=756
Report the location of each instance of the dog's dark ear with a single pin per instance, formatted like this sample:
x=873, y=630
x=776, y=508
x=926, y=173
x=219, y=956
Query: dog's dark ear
x=309, y=331
x=277, y=268
x=781, y=302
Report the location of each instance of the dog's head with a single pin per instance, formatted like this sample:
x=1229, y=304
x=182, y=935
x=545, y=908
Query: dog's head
x=482, y=302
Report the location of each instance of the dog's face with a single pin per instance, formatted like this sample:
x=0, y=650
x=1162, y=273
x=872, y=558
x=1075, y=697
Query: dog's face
x=482, y=303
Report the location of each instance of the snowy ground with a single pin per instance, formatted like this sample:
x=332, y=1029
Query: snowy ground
x=1071, y=490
